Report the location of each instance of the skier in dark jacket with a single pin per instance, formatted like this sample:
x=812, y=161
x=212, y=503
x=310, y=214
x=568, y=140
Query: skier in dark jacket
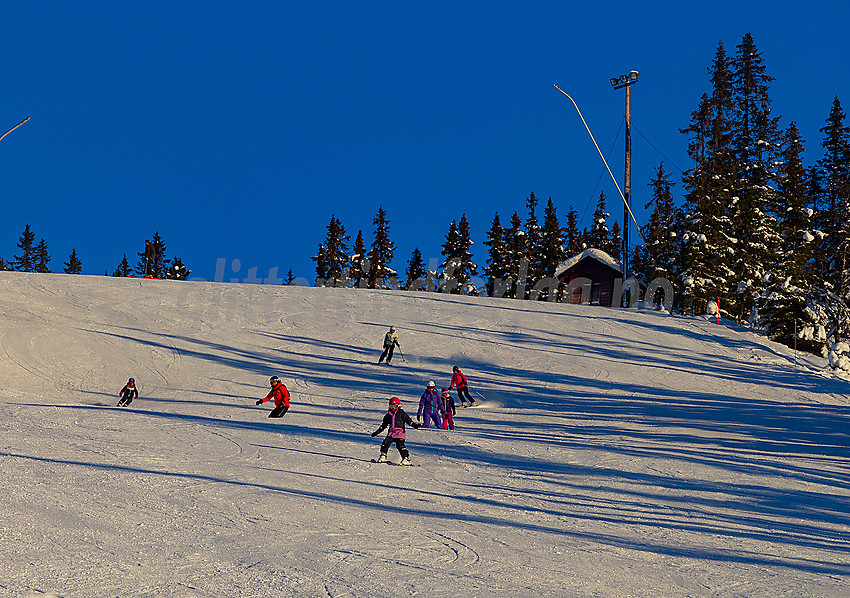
x=431, y=406
x=280, y=396
x=395, y=419
x=448, y=410
x=150, y=257
x=459, y=380
x=128, y=393
x=390, y=343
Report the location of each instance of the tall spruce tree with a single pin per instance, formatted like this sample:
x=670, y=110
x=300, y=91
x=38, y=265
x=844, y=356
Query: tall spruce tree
x=381, y=254
x=416, y=269
x=572, y=233
x=42, y=257
x=515, y=254
x=755, y=140
x=599, y=235
x=533, y=239
x=834, y=170
x=355, y=268
x=458, y=268
x=28, y=260
x=332, y=259
x=708, y=242
x=497, y=260
x=552, y=241
x=74, y=265
x=657, y=257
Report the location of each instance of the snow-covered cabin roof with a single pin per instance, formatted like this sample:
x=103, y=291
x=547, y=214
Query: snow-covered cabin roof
x=597, y=254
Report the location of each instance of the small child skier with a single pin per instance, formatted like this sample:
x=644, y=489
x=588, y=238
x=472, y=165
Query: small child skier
x=128, y=393
x=395, y=419
x=448, y=411
x=280, y=396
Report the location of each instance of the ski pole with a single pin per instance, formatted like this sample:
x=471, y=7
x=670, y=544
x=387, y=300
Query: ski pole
x=400, y=353
x=480, y=395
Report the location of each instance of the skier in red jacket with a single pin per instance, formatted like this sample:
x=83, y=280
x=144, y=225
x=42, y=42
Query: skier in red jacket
x=459, y=380
x=280, y=396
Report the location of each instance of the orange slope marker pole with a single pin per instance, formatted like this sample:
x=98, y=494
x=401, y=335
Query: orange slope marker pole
x=604, y=161
x=13, y=128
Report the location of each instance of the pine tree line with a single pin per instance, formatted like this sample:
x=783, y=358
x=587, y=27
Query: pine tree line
x=34, y=257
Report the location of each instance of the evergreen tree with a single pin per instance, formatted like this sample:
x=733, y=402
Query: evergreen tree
x=42, y=257
x=4, y=266
x=573, y=235
x=458, y=265
x=381, y=255
x=515, y=254
x=124, y=268
x=73, y=265
x=290, y=278
x=355, y=268
x=28, y=260
x=533, y=240
x=321, y=263
x=616, y=243
x=160, y=263
x=800, y=240
x=497, y=262
x=332, y=259
x=415, y=268
x=658, y=255
x=708, y=241
x=834, y=170
x=755, y=141
x=598, y=236
x=552, y=241
x=177, y=270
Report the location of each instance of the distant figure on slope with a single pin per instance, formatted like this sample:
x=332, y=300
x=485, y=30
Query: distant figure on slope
x=390, y=343
x=395, y=419
x=280, y=396
x=448, y=410
x=431, y=407
x=128, y=393
x=459, y=380
x=149, y=255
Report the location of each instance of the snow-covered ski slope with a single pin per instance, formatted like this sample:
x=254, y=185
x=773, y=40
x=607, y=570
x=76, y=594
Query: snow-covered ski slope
x=618, y=454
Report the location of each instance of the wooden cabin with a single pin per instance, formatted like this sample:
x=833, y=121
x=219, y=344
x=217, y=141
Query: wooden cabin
x=592, y=277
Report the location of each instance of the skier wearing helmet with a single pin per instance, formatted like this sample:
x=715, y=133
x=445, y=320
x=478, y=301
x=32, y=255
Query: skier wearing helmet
x=280, y=396
x=390, y=343
x=431, y=406
x=459, y=380
x=395, y=419
x=128, y=393
x=449, y=410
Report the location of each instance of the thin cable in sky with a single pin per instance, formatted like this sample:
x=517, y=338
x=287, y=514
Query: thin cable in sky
x=658, y=150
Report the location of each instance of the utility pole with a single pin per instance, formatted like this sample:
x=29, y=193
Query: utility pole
x=619, y=83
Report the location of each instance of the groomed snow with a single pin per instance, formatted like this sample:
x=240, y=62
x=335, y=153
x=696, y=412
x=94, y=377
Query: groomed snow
x=619, y=453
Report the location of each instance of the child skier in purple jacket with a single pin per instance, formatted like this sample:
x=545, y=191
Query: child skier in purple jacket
x=395, y=419
x=431, y=406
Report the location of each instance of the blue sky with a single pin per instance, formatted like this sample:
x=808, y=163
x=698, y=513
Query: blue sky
x=236, y=130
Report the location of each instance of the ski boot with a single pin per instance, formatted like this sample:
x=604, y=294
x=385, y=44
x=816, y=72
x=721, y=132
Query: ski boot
x=382, y=458
x=406, y=461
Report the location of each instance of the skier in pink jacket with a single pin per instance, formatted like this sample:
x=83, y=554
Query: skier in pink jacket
x=395, y=419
